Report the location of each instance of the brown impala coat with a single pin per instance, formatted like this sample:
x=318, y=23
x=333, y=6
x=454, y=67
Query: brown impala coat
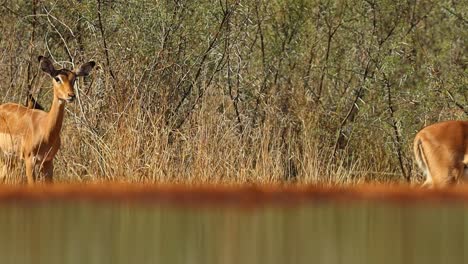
x=441, y=151
x=32, y=134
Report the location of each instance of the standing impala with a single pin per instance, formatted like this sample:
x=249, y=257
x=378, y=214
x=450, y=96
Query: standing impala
x=441, y=151
x=34, y=135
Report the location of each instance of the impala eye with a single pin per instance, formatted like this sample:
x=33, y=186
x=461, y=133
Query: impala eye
x=57, y=79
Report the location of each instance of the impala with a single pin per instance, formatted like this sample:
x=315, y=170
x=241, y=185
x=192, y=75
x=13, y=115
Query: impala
x=32, y=103
x=441, y=151
x=34, y=135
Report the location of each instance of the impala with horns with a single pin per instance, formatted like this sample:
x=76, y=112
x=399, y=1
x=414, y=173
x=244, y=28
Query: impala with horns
x=34, y=135
x=441, y=151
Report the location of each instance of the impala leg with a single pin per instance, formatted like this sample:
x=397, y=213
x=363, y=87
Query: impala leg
x=445, y=175
x=459, y=173
x=47, y=171
x=7, y=166
x=465, y=172
x=30, y=170
x=428, y=183
x=3, y=171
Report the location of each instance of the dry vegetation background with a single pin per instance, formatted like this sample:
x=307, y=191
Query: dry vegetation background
x=241, y=91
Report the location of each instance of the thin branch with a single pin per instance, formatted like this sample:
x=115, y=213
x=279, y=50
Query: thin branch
x=459, y=16
x=458, y=104
x=396, y=132
x=104, y=41
x=32, y=39
x=202, y=62
x=70, y=57
x=331, y=32
x=351, y=112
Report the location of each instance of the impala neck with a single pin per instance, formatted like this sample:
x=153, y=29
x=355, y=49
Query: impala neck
x=55, y=117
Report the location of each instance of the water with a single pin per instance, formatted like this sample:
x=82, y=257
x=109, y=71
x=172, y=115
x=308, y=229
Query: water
x=313, y=232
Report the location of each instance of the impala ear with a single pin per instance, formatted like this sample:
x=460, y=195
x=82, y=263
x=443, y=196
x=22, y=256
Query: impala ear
x=47, y=66
x=85, y=69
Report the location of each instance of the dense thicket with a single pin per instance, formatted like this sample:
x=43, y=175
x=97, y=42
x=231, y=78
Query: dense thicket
x=242, y=91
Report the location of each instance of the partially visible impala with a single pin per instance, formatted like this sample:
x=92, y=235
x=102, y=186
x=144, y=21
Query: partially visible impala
x=34, y=135
x=31, y=103
x=441, y=151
